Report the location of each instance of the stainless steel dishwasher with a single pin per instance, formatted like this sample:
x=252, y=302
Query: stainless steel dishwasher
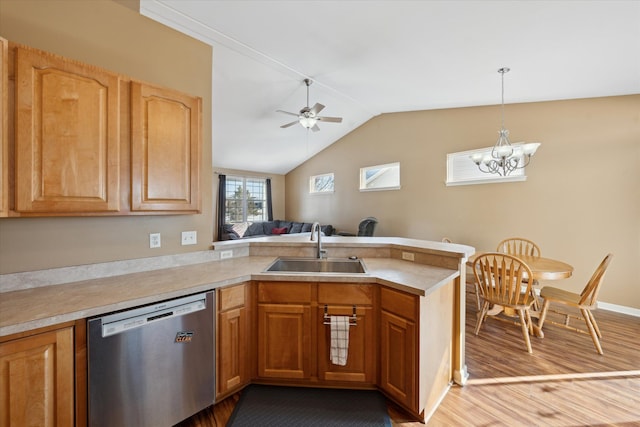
x=152, y=366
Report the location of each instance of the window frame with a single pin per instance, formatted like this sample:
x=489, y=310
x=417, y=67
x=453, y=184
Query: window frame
x=363, y=177
x=244, y=202
x=454, y=160
x=313, y=180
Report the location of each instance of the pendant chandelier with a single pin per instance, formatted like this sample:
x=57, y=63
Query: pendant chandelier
x=505, y=157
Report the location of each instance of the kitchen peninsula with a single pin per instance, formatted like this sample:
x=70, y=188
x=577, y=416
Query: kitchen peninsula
x=409, y=304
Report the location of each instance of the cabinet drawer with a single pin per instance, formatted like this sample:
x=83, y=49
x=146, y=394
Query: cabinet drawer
x=284, y=292
x=231, y=297
x=341, y=293
x=399, y=303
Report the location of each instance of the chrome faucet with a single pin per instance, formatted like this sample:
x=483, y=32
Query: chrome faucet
x=319, y=251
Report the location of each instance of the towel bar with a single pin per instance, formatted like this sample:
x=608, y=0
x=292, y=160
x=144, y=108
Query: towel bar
x=353, y=319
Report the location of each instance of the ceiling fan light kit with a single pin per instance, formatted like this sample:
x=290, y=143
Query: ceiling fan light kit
x=308, y=117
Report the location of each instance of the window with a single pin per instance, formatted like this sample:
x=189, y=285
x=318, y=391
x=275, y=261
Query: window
x=461, y=170
x=381, y=177
x=321, y=183
x=246, y=199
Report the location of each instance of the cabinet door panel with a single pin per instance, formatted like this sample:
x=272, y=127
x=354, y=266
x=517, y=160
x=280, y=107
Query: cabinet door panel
x=67, y=139
x=232, y=350
x=361, y=356
x=398, y=358
x=165, y=151
x=284, y=341
x=36, y=380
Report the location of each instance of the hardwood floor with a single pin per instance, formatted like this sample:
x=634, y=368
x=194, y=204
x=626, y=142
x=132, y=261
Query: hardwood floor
x=565, y=382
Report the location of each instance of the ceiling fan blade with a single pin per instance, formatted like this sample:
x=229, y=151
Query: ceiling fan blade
x=290, y=124
x=286, y=112
x=330, y=119
x=317, y=108
x=315, y=128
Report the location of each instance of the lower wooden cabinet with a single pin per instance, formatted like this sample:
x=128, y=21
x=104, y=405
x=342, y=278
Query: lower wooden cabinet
x=284, y=341
x=294, y=343
x=284, y=330
x=398, y=341
x=232, y=346
x=342, y=299
x=37, y=380
x=398, y=358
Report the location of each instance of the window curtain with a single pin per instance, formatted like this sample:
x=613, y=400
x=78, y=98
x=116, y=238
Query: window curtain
x=222, y=203
x=269, y=204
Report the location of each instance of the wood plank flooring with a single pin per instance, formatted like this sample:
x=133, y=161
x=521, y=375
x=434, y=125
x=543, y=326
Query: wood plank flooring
x=565, y=382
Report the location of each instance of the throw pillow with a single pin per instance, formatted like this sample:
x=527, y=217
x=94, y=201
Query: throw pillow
x=280, y=230
x=240, y=228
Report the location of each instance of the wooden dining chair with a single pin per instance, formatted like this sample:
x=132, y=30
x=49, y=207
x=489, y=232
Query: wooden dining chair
x=499, y=280
x=585, y=301
x=521, y=246
x=518, y=246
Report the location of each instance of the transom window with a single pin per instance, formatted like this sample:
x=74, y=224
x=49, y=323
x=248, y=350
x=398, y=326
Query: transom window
x=321, y=183
x=461, y=170
x=380, y=177
x=246, y=199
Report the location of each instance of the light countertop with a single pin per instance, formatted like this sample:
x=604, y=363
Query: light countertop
x=32, y=308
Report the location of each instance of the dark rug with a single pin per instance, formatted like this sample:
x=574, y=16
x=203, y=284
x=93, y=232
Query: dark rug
x=261, y=405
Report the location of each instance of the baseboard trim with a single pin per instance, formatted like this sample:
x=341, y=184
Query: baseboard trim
x=619, y=309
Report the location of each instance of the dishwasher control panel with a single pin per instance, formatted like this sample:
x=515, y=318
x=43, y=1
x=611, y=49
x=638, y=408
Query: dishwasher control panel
x=121, y=322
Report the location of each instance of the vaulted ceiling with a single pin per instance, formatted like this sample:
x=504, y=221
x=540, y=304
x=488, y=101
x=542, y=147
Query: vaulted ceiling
x=373, y=57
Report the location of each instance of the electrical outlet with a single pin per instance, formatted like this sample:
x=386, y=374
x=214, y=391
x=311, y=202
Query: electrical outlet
x=409, y=256
x=154, y=240
x=189, y=237
x=226, y=254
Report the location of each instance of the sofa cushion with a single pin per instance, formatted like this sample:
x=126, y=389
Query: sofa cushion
x=287, y=224
x=267, y=226
x=306, y=227
x=279, y=230
x=255, y=229
x=296, y=227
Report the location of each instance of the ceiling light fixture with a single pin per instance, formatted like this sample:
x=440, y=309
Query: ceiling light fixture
x=504, y=157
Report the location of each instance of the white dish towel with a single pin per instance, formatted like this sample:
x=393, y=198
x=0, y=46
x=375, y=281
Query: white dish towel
x=339, y=339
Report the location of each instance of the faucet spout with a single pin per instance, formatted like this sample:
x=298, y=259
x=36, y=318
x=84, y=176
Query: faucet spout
x=315, y=228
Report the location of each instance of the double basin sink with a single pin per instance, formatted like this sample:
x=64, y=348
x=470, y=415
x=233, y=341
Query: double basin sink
x=317, y=265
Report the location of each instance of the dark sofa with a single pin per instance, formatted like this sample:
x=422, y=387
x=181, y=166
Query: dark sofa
x=245, y=230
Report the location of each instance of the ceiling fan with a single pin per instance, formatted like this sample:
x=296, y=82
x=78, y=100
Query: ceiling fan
x=308, y=117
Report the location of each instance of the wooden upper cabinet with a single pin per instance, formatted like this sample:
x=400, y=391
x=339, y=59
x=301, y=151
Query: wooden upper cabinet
x=165, y=149
x=67, y=141
x=4, y=126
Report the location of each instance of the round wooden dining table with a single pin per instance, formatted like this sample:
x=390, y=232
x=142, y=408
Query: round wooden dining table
x=541, y=269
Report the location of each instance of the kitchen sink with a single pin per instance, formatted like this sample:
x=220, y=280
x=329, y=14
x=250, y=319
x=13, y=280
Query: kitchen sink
x=315, y=265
